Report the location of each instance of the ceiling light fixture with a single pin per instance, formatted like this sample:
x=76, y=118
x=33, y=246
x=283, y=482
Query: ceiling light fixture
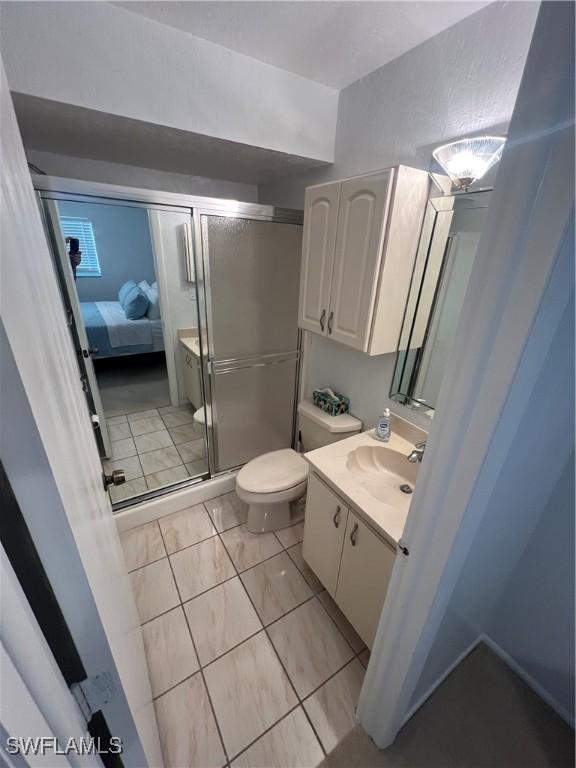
x=467, y=160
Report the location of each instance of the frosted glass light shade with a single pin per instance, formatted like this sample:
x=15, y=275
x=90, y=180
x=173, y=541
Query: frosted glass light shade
x=467, y=160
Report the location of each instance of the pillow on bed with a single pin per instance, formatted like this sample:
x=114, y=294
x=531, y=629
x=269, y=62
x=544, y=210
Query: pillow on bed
x=145, y=285
x=125, y=290
x=135, y=303
x=153, y=312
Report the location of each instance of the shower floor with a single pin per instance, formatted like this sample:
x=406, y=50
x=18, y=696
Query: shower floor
x=251, y=662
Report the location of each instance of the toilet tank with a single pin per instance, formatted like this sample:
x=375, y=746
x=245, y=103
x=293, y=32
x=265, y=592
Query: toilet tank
x=317, y=428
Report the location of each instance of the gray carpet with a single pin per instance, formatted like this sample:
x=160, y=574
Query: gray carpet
x=482, y=716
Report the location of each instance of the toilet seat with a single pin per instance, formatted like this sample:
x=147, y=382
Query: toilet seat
x=273, y=473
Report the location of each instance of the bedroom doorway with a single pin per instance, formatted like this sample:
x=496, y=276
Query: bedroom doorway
x=127, y=285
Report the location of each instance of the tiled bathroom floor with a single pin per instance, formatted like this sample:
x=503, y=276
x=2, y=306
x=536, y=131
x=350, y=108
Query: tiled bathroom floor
x=155, y=447
x=251, y=663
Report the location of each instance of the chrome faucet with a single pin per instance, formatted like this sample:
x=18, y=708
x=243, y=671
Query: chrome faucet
x=417, y=453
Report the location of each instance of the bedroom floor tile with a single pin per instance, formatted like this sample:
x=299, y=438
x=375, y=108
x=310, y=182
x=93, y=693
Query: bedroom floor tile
x=187, y=527
x=118, y=431
x=249, y=690
x=156, y=461
x=169, y=650
x=131, y=466
x=227, y=511
x=167, y=476
x=220, y=619
x=153, y=441
x=142, y=545
x=145, y=425
x=122, y=449
x=310, y=646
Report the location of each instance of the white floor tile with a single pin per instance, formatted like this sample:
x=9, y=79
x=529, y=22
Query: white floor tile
x=119, y=431
x=121, y=449
x=169, y=650
x=131, y=466
x=227, y=511
x=192, y=451
x=178, y=418
x=220, y=619
x=127, y=490
x=342, y=622
x=112, y=420
x=332, y=708
x=187, y=527
x=166, y=477
x=249, y=691
x=137, y=415
x=196, y=467
x=156, y=461
x=153, y=441
x=291, y=536
x=145, y=425
x=275, y=587
x=188, y=733
x=154, y=589
x=290, y=744
x=247, y=549
x=310, y=646
x=142, y=545
x=313, y=582
x=186, y=433
x=201, y=567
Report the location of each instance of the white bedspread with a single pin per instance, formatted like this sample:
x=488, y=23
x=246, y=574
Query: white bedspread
x=121, y=331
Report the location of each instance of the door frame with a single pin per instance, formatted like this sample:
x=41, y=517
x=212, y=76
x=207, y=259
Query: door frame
x=517, y=296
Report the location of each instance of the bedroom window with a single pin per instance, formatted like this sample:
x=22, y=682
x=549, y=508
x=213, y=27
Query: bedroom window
x=73, y=226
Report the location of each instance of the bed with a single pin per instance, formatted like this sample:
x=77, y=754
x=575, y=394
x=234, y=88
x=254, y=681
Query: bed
x=112, y=334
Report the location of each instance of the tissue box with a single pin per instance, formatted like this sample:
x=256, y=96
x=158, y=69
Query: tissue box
x=330, y=402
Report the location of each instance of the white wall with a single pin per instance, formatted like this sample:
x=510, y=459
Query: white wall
x=441, y=90
x=142, y=178
x=138, y=68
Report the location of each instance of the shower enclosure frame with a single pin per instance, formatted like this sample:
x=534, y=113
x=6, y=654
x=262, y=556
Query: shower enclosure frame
x=58, y=188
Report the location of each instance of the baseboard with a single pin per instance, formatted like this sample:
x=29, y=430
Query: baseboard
x=174, y=502
x=528, y=679
x=412, y=711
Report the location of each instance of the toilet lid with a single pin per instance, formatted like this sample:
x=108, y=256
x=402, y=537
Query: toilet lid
x=272, y=472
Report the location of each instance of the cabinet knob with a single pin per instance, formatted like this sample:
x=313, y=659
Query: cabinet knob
x=322, y=316
x=354, y=534
x=336, y=518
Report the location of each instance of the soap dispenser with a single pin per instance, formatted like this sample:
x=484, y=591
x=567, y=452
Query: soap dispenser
x=383, y=429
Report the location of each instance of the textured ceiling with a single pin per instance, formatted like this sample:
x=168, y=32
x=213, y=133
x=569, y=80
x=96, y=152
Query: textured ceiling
x=69, y=130
x=334, y=43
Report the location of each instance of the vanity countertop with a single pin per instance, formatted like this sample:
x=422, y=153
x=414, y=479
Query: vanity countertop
x=190, y=341
x=330, y=463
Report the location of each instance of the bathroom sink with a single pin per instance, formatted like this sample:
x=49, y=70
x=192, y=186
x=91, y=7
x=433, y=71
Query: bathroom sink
x=385, y=474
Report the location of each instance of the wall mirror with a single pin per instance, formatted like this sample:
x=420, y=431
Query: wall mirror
x=448, y=243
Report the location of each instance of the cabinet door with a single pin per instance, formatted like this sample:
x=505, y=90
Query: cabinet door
x=359, y=242
x=318, y=242
x=324, y=528
x=365, y=570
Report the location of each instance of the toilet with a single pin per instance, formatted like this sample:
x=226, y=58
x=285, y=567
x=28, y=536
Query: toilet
x=271, y=481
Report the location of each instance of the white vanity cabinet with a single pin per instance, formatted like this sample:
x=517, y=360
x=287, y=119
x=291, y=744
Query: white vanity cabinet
x=351, y=560
x=359, y=244
x=192, y=376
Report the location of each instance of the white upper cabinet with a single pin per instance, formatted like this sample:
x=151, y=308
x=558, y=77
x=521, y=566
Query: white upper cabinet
x=318, y=241
x=360, y=242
